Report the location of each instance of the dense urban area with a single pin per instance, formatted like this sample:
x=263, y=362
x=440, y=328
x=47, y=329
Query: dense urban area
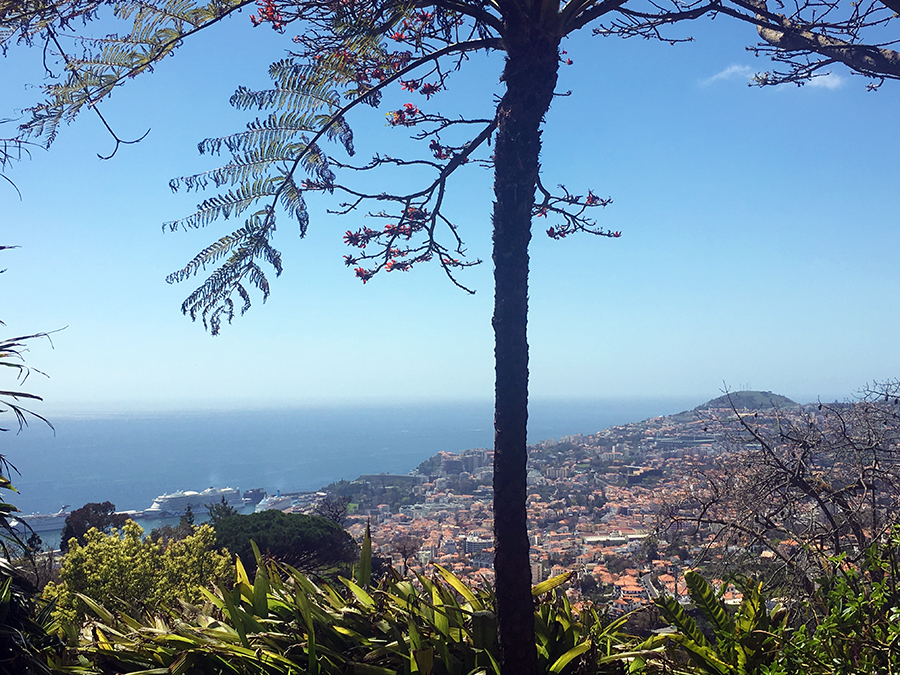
x=595, y=504
x=749, y=530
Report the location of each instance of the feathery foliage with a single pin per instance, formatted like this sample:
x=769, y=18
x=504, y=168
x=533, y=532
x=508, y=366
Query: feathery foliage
x=92, y=67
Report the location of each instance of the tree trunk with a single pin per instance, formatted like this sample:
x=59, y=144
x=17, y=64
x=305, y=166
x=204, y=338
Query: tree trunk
x=530, y=76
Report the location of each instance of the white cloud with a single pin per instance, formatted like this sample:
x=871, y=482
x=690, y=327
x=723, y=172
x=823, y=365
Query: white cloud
x=746, y=73
x=730, y=73
x=828, y=81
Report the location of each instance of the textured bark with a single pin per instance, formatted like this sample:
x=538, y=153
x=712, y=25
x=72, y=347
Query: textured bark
x=530, y=76
x=791, y=37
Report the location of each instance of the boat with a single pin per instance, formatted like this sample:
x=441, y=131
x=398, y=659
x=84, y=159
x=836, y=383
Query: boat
x=177, y=503
x=275, y=502
x=41, y=522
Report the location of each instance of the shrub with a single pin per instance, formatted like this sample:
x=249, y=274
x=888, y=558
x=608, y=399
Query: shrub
x=121, y=569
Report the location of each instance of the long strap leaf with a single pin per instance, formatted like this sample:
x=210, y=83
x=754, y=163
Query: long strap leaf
x=705, y=598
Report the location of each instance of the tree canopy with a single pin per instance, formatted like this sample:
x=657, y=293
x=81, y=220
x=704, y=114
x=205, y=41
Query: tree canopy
x=99, y=516
x=311, y=544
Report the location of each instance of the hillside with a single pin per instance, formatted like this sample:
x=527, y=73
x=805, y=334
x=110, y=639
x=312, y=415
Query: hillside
x=751, y=400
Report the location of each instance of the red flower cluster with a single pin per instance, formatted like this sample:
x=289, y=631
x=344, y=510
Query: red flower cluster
x=414, y=213
x=370, y=69
x=364, y=274
x=399, y=231
x=389, y=245
x=397, y=265
x=345, y=56
x=421, y=21
x=404, y=116
x=410, y=85
x=555, y=233
x=440, y=152
x=359, y=238
x=592, y=199
x=430, y=90
x=268, y=13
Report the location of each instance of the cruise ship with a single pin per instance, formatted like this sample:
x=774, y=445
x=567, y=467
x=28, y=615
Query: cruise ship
x=40, y=522
x=275, y=502
x=176, y=503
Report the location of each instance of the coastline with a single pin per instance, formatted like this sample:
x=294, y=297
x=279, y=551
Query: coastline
x=131, y=460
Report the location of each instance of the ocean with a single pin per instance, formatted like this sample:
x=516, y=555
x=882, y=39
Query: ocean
x=130, y=459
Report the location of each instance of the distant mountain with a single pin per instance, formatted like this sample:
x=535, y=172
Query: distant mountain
x=752, y=400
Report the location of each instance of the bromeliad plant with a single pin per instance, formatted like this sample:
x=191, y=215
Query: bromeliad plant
x=284, y=622
x=850, y=627
x=747, y=642
x=856, y=615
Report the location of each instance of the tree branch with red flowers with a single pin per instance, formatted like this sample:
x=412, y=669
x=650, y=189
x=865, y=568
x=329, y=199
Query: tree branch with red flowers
x=268, y=154
x=420, y=213
x=571, y=208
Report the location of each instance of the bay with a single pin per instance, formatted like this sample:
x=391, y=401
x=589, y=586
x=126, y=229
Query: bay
x=129, y=459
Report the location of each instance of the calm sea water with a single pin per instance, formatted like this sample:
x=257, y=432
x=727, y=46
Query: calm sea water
x=130, y=459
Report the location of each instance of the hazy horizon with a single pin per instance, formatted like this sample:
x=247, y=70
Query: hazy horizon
x=166, y=408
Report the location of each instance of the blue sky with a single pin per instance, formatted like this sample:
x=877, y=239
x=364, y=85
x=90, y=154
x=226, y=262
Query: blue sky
x=758, y=247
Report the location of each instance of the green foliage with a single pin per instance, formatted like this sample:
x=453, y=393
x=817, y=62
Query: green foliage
x=368, y=492
x=851, y=626
x=96, y=66
x=855, y=625
x=309, y=543
x=169, y=533
x=27, y=640
x=219, y=510
x=283, y=622
x=746, y=643
x=12, y=361
x=121, y=569
x=306, y=107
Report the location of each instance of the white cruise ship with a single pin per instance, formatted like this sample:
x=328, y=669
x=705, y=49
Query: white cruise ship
x=176, y=503
x=276, y=502
x=40, y=522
